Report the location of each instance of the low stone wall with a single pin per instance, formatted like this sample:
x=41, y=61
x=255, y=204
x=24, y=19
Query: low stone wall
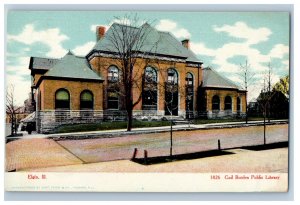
x=221, y=114
x=48, y=120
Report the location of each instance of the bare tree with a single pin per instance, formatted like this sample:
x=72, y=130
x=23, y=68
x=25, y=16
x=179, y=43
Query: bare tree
x=172, y=89
x=264, y=99
x=247, y=77
x=11, y=108
x=128, y=43
x=269, y=91
x=172, y=92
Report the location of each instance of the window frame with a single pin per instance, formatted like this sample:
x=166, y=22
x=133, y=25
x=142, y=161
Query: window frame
x=150, y=89
x=226, y=103
x=92, y=101
x=61, y=101
x=215, y=103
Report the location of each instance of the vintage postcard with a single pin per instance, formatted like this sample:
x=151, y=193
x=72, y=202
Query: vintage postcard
x=115, y=101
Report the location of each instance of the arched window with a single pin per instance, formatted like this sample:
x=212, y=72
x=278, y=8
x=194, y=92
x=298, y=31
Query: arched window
x=172, y=76
x=150, y=89
x=215, y=103
x=62, y=99
x=238, y=104
x=228, y=103
x=189, y=83
x=171, y=93
x=150, y=75
x=113, y=74
x=86, y=100
x=189, y=80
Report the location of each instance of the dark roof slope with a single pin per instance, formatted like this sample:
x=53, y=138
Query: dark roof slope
x=71, y=66
x=212, y=78
x=42, y=63
x=155, y=42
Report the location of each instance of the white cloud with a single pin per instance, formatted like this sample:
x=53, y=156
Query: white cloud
x=286, y=65
x=201, y=49
x=15, y=77
x=166, y=25
x=21, y=68
x=51, y=37
x=172, y=27
x=22, y=87
x=258, y=61
x=83, y=50
x=181, y=33
x=279, y=51
x=242, y=30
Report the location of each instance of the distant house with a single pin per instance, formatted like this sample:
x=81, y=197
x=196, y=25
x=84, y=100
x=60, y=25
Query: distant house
x=76, y=89
x=253, y=108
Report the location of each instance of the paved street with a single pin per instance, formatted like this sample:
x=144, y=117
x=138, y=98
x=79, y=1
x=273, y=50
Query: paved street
x=238, y=161
x=37, y=153
x=158, y=144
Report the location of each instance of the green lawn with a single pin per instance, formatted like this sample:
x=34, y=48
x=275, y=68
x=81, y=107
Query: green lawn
x=208, y=121
x=108, y=126
x=136, y=124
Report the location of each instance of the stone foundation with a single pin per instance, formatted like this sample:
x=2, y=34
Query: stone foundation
x=221, y=114
x=48, y=121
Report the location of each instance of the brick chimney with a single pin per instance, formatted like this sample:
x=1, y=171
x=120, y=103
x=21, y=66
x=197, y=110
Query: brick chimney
x=186, y=43
x=100, y=32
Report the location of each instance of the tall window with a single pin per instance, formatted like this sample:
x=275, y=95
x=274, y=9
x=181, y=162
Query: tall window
x=215, y=103
x=112, y=100
x=62, y=99
x=189, y=84
x=86, y=100
x=172, y=76
x=171, y=93
x=113, y=88
x=62, y=105
x=150, y=89
x=113, y=74
x=238, y=104
x=228, y=103
x=189, y=81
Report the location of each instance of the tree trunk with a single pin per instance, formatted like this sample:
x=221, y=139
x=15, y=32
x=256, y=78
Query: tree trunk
x=246, y=113
x=264, y=126
x=129, y=118
x=12, y=124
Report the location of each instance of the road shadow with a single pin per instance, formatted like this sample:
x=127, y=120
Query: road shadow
x=267, y=146
x=205, y=154
x=179, y=157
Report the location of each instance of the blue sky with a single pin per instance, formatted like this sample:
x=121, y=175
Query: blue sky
x=222, y=40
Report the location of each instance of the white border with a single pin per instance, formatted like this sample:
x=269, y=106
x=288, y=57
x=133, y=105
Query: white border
x=158, y=196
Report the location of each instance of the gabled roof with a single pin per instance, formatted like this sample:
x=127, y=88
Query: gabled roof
x=213, y=79
x=155, y=42
x=71, y=66
x=42, y=63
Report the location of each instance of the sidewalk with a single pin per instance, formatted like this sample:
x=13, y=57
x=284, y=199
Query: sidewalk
x=148, y=130
x=237, y=161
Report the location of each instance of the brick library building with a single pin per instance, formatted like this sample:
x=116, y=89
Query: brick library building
x=169, y=81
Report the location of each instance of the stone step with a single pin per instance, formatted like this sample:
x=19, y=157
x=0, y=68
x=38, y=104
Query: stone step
x=182, y=122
